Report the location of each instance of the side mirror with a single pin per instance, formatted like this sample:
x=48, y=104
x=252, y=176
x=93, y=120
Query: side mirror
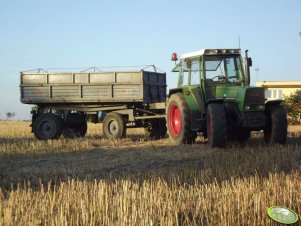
x=250, y=62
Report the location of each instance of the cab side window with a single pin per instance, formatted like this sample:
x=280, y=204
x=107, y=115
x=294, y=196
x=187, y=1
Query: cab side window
x=184, y=73
x=195, y=72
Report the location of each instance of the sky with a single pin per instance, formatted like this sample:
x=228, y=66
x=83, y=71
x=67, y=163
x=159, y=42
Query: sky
x=81, y=34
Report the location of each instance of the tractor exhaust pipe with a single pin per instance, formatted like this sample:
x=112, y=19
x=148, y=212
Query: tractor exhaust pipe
x=248, y=64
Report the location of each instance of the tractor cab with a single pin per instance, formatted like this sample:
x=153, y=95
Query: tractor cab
x=210, y=68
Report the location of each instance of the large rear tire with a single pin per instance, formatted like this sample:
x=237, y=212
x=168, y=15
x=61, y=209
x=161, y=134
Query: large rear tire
x=216, y=126
x=275, y=130
x=178, y=121
x=47, y=126
x=114, y=126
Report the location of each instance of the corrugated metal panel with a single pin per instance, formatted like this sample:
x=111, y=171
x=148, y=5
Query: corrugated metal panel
x=81, y=77
x=28, y=79
x=147, y=93
x=155, y=78
x=35, y=93
x=127, y=92
x=155, y=93
x=129, y=77
x=66, y=91
x=60, y=78
x=162, y=93
x=100, y=92
x=102, y=77
x=162, y=78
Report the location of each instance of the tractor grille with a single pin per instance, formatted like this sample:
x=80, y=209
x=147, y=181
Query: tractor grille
x=254, y=96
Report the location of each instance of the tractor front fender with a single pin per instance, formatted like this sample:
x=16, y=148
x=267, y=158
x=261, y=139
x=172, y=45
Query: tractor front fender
x=270, y=103
x=216, y=101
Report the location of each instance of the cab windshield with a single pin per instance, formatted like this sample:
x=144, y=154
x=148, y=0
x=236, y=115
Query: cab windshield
x=224, y=68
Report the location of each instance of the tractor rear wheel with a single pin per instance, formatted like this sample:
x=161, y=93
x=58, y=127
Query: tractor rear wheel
x=47, y=126
x=114, y=126
x=216, y=125
x=178, y=121
x=275, y=130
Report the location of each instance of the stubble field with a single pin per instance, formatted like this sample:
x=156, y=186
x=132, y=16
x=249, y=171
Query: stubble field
x=135, y=181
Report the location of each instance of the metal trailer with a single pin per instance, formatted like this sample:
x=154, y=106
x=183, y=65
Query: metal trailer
x=65, y=101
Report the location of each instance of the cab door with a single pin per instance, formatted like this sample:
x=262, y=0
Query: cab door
x=194, y=94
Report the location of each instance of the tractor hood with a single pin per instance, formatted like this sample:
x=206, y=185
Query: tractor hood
x=247, y=98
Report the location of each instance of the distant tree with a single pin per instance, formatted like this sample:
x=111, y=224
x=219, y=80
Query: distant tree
x=10, y=115
x=293, y=107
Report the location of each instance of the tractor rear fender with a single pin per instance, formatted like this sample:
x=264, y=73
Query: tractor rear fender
x=173, y=91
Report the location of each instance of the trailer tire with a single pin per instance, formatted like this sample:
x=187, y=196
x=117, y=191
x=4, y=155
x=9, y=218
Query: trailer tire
x=114, y=126
x=216, y=125
x=47, y=126
x=178, y=121
x=75, y=130
x=275, y=130
x=156, y=129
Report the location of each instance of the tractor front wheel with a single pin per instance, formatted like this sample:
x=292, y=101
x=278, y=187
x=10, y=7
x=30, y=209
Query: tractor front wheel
x=216, y=125
x=275, y=130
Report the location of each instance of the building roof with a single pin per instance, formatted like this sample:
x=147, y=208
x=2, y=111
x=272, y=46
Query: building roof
x=279, y=84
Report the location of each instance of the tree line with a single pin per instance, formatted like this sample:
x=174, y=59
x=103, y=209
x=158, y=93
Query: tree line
x=8, y=115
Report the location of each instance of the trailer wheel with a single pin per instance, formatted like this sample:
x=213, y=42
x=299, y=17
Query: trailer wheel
x=275, y=130
x=216, y=125
x=157, y=129
x=114, y=126
x=75, y=130
x=179, y=120
x=47, y=127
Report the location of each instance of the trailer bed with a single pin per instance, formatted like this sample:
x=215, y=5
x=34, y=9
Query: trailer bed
x=92, y=87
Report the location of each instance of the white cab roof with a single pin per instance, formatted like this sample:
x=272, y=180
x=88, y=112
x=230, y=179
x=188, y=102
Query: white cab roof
x=209, y=52
x=193, y=54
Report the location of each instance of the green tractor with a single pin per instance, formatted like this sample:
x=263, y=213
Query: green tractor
x=214, y=98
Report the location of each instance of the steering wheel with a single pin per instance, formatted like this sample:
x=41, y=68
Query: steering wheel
x=220, y=77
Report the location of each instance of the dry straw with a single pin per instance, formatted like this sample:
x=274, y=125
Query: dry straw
x=92, y=181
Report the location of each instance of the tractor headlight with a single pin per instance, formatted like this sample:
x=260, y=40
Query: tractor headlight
x=255, y=107
x=260, y=107
x=247, y=107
